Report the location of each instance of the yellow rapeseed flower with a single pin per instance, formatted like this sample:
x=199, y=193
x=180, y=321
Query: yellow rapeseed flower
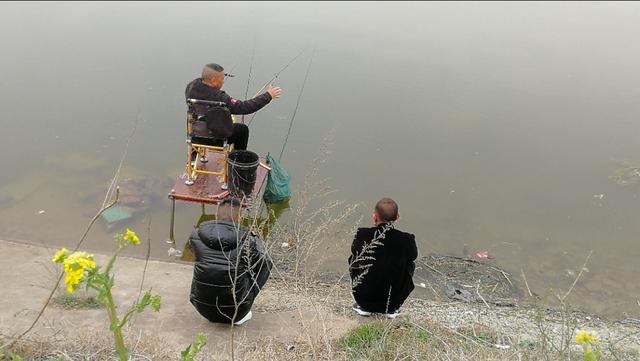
x=131, y=237
x=584, y=337
x=75, y=266
x=60, y=255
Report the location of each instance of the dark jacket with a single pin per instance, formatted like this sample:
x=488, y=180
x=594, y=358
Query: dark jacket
x=219, y=247
x=381, y=266
x=197, y=89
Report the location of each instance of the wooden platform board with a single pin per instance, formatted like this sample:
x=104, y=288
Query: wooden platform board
x=207, y=188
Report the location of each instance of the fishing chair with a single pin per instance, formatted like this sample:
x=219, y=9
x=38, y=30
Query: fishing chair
x=209, y=124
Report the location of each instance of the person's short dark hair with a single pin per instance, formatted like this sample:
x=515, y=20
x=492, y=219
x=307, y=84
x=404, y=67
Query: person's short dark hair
x=229, y=209
x=210, y=70
x=387, y=210
x=214, y=66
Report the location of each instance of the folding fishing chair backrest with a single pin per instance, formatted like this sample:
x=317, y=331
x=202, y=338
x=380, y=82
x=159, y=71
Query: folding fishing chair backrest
x=208, y=122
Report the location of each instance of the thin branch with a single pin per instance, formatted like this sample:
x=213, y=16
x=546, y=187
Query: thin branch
x=578, y=277
x=525, y=282
x=109, y=195
x=53, y=289
x=479, y=295
x=146, y=260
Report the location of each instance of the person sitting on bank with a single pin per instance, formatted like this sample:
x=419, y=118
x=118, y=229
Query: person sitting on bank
x=208, y=87
x=228, y=257
x=381, y=264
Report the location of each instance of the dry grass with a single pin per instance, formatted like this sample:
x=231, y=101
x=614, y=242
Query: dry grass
x=415, y=336
x=90, y=345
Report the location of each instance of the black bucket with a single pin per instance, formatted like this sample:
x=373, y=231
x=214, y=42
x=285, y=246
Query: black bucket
x=242, y=168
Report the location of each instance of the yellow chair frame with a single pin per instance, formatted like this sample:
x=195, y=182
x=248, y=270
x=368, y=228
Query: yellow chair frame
x=193, y=166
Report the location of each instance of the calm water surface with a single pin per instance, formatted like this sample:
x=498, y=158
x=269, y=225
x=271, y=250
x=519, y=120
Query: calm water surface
x=495, y=126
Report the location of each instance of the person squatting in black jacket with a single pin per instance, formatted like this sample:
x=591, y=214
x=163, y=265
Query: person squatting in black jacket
x=381, y=264
x=231, y=266
x=208, y=87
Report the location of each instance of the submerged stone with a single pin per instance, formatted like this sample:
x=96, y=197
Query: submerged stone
x=467, y=280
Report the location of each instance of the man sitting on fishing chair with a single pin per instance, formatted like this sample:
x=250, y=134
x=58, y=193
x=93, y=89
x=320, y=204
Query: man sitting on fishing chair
x=209, y=86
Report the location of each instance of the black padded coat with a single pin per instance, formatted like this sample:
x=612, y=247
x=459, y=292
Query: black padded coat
x=225, y=252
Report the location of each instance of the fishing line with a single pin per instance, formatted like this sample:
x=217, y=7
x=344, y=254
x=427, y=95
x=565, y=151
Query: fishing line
x=235, y=65
x=246, y=91
x=286, y=139
x=275, y=76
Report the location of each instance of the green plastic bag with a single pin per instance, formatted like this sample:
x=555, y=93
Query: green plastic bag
x=277, y=189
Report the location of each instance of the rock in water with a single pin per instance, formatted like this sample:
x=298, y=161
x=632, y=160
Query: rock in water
x=457, y=293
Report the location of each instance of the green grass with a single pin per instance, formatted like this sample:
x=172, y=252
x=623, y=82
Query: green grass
x=386, y=341
x=363, y=337
x=478, y=333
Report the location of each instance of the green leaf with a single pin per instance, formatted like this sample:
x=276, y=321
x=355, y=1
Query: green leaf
x=190, y=353
x=184, y=354
x=155, y=303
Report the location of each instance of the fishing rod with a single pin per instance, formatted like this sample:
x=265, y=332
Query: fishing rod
x=297, y=104
x=246, y=92
x=230, y=73
x=275, y=76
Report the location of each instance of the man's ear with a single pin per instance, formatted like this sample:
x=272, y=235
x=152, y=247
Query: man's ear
x=375, y=218
x=398, y=217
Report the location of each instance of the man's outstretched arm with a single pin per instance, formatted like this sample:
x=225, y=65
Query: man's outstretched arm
x=252, y=105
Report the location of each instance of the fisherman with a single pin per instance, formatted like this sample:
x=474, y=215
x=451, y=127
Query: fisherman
x=381, y=264
x=231, y=266
x=208, y=87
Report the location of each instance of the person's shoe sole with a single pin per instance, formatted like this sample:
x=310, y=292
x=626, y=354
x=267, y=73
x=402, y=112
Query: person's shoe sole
x=246, y=318
x=361, y=312
x=391, y=316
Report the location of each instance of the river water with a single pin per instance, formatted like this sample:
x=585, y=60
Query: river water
x=496, y=127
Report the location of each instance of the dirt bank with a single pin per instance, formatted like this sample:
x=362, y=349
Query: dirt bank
x=286, y=311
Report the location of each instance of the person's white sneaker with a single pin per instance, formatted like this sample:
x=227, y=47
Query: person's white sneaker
x=393, y=315
x=356, y=307
x=246, y=318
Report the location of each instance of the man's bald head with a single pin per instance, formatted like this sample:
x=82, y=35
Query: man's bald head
x=387, y=210
x=229, y=210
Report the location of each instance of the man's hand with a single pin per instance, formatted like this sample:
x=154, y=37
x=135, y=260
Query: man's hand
x=275, y=92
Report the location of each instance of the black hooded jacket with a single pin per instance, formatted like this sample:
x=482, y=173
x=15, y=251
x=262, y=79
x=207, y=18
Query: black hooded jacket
x=381, y=266
x=197, y=89
x=225, y=252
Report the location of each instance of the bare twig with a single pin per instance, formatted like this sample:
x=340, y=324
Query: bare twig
x=435, y=270
x=146, y=260
x=578, y=277
x=479, y=295
x=525, y=282
x=113, y=188
x=503, y=274
x=55, y=287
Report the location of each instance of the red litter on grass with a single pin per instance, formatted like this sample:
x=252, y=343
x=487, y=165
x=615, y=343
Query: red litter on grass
x=485, y=255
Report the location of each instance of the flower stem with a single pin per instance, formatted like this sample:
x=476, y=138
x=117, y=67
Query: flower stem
x=115, y=326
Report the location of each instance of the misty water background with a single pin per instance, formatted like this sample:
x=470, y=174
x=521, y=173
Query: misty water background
x=496, y=127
